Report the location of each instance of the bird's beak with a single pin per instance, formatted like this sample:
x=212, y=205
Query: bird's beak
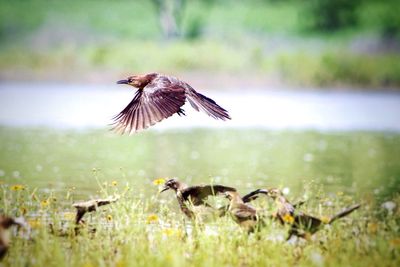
x=123, y=82
x=165, y=188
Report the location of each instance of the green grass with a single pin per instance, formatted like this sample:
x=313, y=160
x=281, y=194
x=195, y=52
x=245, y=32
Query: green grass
x=330, y=170
x=354, y=162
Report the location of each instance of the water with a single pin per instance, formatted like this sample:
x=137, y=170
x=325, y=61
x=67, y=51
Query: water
x=90, y=106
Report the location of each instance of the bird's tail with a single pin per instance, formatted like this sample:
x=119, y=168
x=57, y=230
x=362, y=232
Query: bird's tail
x=343, y=213
x=207, y=105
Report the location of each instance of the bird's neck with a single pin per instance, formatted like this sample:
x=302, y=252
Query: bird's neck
x=235, y=201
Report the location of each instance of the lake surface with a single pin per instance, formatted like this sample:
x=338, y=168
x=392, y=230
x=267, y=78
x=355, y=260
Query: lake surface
x=90, y=106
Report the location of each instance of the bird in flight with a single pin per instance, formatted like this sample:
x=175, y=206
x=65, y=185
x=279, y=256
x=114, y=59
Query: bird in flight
x=159, y=97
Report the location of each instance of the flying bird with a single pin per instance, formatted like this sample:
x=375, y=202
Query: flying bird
x=159, y=97
x=190, y=197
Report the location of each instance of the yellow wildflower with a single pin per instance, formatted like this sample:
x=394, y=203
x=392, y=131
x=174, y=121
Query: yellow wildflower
x=159, y=181
x=34, y=223
x=372, y=228
x=109, y=218
x=151, y=218
x=325, y=219
x=168, y=231
x=171, y=231
x=17, y=187
x=44, y=203
x=340, y=193
x=288, y=218
x=114, y=183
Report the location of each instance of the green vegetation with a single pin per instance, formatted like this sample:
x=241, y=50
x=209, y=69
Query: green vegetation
x=354, y=162
x=330, y=170
x=271, y=40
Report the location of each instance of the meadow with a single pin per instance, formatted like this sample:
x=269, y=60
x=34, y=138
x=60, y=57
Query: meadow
x=43, y=172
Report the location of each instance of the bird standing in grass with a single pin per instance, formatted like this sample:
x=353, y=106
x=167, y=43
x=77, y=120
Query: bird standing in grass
x=244, y=214
x=302, y=224
x=191, y=197
x=159, y=97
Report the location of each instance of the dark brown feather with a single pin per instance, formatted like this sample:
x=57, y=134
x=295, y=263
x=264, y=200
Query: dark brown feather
x=199, y=193
x=148, y=108
x=206, y=104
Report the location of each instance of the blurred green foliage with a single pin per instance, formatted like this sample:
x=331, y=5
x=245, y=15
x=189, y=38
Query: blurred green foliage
x=328, y=15
x=323, y=42
x=139, y=19
x=358, y=163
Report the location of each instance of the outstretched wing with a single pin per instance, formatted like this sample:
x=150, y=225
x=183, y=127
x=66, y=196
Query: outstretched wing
x=148, y=108
x=206, y=104
x=198, y=194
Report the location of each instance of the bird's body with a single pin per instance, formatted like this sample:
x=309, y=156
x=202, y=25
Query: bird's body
x=244, y=214
x=90, y=206
x=159, y=97
x=190, y=198
x=302, y=224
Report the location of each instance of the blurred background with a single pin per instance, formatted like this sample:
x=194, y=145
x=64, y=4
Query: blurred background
x=217, y=43
x=312, y=87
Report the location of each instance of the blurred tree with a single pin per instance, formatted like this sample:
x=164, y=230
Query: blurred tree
x=383, y=15
x=331, y=15
x=170, y=13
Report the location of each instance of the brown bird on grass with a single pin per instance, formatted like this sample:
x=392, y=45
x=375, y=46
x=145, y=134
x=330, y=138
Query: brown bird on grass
x=5, y=223
x=159, y=97
x=190, y=197
x=244, y=214
x=253, y=195
x=302, y=224
x=89, y=206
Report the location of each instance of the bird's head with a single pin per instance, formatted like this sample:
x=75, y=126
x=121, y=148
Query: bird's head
x=173, y=184
x=138, y=81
